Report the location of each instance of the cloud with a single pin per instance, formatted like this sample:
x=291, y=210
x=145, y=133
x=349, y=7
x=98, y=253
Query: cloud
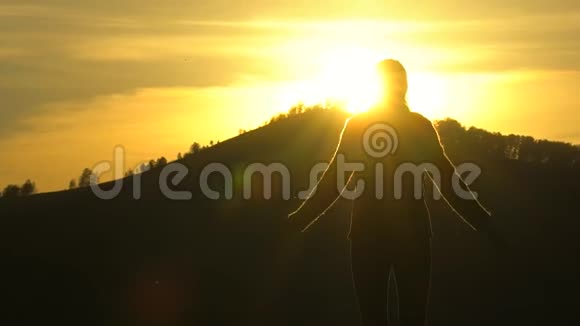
x=304, y=9
x=59, y=50
x=26, y=87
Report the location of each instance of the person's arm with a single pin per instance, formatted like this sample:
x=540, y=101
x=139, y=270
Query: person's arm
x=326, y=192
x=469, y=209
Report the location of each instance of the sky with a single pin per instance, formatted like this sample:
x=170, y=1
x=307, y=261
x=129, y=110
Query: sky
x=79, y=78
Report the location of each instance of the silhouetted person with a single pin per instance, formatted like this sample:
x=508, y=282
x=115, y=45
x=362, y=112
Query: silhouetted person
x=389, y=233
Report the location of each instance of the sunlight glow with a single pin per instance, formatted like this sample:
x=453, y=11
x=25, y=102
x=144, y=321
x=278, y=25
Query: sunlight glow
x=349, y=78
x=428, y=94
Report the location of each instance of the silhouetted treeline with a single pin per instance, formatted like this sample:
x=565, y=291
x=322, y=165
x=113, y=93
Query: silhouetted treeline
x=194, y=149
x=84, y=180
x=299, y=109
x=474, y=143
x=13, y=191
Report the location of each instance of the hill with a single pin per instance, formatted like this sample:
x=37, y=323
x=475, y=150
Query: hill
x=71, y=258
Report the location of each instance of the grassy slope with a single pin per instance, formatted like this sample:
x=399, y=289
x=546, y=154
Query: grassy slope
x=72, y=258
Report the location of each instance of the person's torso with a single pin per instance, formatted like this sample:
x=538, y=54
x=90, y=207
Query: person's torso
x=392, y=149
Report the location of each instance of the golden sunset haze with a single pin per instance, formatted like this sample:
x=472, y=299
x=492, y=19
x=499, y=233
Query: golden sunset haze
x=78, y=79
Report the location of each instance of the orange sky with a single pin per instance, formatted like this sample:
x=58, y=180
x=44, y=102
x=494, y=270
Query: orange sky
x=78, y=79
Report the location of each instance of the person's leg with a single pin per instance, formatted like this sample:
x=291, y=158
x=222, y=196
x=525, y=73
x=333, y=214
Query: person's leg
x=413, y=273
x=370, y=276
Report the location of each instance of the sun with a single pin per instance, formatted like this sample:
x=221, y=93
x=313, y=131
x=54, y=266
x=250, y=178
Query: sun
x=350, y=78
x=347, y=77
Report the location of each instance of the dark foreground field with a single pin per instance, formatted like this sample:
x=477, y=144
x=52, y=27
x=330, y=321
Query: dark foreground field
x=71, y=259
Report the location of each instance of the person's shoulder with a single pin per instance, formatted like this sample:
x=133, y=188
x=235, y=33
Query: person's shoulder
x=425, y=130
x=421, y=122
x=420, y=119
x=357, y=122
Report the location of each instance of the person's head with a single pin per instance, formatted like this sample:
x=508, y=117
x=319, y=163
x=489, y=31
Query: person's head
x=393, y=78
